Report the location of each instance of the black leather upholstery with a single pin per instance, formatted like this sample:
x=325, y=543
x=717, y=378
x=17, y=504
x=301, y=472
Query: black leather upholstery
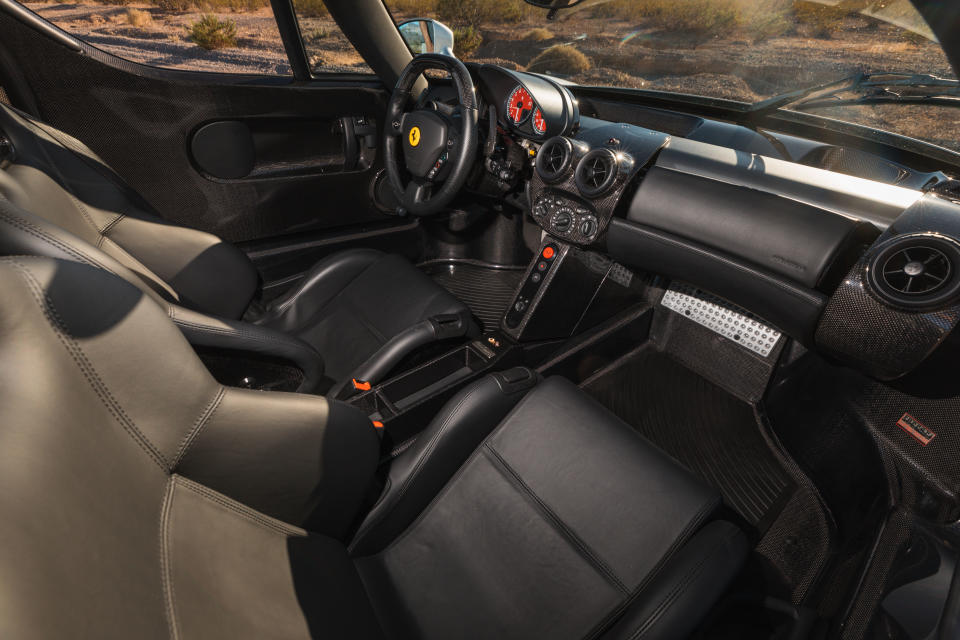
x=57, y=177
x=416, y=476
x=142, y=499
x=354, y=302
x=563, y=511
x=58, y=199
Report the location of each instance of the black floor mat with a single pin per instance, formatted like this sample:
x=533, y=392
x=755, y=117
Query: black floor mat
x=486, y=290
x=708, y=430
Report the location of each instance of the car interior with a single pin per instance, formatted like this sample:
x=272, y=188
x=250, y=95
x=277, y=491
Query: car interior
x=463, y=351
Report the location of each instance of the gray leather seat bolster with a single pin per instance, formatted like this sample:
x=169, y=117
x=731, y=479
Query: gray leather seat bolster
x=295, y=457
x=232, y=572
x=63, y=180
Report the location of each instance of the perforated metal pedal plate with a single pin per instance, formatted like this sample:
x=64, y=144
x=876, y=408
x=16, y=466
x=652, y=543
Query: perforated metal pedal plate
x=718, y=315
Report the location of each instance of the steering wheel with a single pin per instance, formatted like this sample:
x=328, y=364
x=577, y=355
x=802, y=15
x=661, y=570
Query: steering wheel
x=435, y=149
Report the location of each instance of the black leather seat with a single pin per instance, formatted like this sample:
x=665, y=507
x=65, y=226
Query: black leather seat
x=363, y=311
x=142, y=499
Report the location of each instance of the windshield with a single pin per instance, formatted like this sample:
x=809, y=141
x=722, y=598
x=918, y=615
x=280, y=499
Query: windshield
x=744, y=50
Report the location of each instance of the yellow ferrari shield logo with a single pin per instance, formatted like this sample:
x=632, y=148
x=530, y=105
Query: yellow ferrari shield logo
x=414, y=136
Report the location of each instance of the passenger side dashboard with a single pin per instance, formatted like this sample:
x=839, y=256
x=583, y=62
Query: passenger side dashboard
x=797, y=245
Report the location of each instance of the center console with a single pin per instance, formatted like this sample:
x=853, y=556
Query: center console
x=565, y=292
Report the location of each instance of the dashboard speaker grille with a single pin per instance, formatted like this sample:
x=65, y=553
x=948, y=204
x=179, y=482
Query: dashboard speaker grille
x=917, y=271
x=554, y=159
x=597, y=172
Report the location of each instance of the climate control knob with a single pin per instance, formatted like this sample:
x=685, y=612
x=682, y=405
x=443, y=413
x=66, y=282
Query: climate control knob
x=562, y=220
x=588, y=227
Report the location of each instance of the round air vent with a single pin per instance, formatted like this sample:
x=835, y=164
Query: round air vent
x=554, y=159
x=917, y=271
x=597, y=172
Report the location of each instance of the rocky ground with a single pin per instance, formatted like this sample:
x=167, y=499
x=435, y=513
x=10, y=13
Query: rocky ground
x=620, y=54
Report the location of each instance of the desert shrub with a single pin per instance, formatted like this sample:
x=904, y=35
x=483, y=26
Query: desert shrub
x=174, y=5
x=821, y=19
x=623, y=9
x=315, y=35
x=703, y=18
x=538, y=34
x=560, y=58
x=763, y=19
x=210, y=32
x=421, y=8
x=466, y=40
x=476, y=12
x=310, y=8
x=138, y=18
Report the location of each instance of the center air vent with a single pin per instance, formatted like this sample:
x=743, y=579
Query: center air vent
x=917, y=271
x=554, y=159
x=597, y=172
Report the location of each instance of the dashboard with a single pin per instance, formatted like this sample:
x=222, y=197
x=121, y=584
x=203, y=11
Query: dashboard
x=848, y=252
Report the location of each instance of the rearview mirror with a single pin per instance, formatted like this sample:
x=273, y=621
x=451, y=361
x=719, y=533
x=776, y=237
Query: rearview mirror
x=427, y=36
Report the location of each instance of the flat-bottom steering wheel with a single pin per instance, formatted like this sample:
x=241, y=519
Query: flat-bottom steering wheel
x=437, y=153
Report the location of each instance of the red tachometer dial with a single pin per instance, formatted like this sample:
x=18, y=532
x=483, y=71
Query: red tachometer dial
x=539, y=124
x=519, y=105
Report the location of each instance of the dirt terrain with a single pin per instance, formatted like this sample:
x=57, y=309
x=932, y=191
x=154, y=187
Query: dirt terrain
x=620, y=53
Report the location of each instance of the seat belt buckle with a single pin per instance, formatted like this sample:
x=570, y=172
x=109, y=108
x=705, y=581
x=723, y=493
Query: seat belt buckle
x=361, y=385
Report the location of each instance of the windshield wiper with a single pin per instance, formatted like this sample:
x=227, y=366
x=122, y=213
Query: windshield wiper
x=872, y=88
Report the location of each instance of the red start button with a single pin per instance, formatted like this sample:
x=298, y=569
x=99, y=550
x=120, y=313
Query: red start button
x=548, y=253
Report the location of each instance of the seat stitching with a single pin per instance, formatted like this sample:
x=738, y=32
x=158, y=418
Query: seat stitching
x=477, y=453
x=421, y=461
x=281, y=308
x=360, y=317
x=553, y=519
x=148, y=275
x=198, y=426
x=23, y=225
x=239, y=332
x=65, y=185
x=681, y=539
x=71, y=145
x=255, y=517
x=166, y=509
x=110, y=225
x=86, y=368
x=678, y=590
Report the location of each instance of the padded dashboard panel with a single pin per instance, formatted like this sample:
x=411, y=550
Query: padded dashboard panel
x=792, y=308
x=797, y=241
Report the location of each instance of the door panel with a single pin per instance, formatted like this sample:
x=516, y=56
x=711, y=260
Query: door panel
x=142, y=121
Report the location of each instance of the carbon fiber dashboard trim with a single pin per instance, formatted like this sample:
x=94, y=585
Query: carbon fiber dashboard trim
x=860, y=329
x=642, y=145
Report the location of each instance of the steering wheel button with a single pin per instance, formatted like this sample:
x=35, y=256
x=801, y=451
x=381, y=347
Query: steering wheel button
x=541, y=266
x=548, y=252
